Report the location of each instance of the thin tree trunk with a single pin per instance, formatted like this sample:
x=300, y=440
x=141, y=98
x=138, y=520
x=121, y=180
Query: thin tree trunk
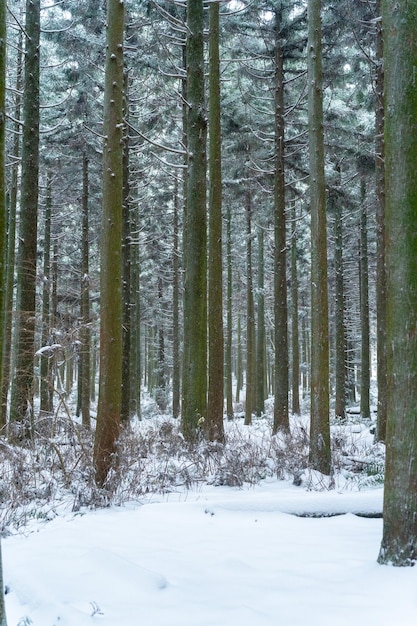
x=46, y=388
x=250, y=318
x=228, y=358
x=260, y=343
x=295, y=340
x=364, y=308
x=281, y=418
x=176, y=373
x=85, y=353
x=11, y=234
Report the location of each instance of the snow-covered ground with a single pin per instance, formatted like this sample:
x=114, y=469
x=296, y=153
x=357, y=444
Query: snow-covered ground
x=212, y=556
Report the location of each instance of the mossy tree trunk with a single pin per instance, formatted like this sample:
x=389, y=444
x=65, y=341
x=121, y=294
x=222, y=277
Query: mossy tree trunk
x=215, y=397
x=21, y=405
x=399, y=541
x=110, y=375
x=320, y=455
x=194, y=377
x=176, y=368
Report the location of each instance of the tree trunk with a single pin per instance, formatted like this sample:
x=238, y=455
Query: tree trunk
x=250, y=318
x=85, y=334
x=364, y=308
x=215, y=398
x=194, y=387
x=320, y=456
x=110, y=376
x=127, y=266
x=176, y=370
x=46, y=383
x=399, y=541
x=3, y=204
x=295, y=341
x=340, y=331
x=228, y=358
x=260, y=342
x=381, y=279
x=21, y=404
x=281, y=419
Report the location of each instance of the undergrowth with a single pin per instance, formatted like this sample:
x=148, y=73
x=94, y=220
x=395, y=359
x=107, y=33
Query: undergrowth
x=55, y=470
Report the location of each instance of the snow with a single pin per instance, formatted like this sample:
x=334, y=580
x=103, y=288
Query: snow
x=211, y=556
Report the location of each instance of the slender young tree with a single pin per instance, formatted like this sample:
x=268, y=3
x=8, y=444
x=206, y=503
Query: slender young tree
x=194, y=377
x=215, y=397
x=399, y=541
x=46, y=390
x=320, y=456
x=110, y=376
x=21, y=404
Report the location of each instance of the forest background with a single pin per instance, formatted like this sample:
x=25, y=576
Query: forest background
x=227, y=273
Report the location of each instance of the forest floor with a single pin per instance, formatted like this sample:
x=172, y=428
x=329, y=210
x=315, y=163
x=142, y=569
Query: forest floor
x=216, y=537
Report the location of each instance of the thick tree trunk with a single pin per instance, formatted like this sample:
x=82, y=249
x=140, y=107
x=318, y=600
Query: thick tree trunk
x=215, y=398
x=21, y=405
x=399, y=542
x=320, y=456
x=110, y=376
x=194, y=387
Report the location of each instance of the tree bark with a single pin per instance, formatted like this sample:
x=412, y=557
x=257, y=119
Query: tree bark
x=320, y=456
x=21, y=404
x=194, y=387
x=399, y=541
x=110, y=376
x=281, y=378
x=215, y=399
